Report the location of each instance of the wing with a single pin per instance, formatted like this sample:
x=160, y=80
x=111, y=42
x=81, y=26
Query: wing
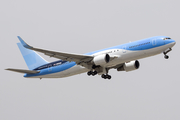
x=23, y=71
x=60, y=55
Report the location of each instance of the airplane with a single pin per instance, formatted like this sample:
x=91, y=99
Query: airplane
x=122, y=58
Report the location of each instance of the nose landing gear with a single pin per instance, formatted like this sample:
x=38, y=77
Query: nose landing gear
x=166, y=57
x=165, y=53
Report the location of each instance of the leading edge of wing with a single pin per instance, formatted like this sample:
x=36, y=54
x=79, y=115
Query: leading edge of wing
x=23, y=71
x=59, y=55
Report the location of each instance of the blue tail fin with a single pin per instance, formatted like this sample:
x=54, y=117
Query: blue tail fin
x=32, y=59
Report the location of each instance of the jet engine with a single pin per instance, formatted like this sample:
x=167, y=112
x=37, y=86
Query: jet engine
x=101, y=59
x=133, y=65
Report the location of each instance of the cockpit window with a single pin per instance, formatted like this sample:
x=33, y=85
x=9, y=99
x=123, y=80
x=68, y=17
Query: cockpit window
x=166, y=38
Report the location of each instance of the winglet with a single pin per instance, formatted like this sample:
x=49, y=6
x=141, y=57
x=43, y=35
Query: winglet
x=24, y=43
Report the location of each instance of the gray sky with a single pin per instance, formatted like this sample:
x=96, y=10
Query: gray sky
x=80, y=26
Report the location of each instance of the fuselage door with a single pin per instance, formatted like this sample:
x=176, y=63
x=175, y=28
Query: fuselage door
x=154, y=42
x=49, y=68
x=124, y=49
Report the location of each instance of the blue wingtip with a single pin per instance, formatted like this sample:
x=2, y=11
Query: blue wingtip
x=23, y=43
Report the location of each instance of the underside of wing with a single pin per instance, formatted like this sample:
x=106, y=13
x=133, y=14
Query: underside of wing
x=23, y=71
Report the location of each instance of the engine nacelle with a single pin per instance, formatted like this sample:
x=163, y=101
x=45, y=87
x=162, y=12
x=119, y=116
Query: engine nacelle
x=101, y=59
x=133, y=65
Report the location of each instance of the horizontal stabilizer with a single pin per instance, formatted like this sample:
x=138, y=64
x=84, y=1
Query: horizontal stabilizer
x=23, y=71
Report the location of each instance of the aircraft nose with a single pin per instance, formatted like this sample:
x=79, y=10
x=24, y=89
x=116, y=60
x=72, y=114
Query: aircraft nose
x=173, y=42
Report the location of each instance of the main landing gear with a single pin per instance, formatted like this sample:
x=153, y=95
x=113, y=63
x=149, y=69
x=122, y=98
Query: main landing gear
x=93, y=73
x=165, y=53
x=106, y=76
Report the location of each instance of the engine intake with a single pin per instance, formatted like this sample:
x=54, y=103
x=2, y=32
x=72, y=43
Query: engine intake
x=101, y=59
x=133, y=65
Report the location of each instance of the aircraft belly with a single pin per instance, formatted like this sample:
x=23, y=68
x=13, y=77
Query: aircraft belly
x=66, y=73
x=77, y=69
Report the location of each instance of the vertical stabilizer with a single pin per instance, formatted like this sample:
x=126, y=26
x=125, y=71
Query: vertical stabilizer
x=32, y=59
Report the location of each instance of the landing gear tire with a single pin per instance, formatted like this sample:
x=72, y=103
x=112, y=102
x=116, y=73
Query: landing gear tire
x=109, y=77
x=89, y=73
x=92, y=73
x=106, y=76
x=166, y=57
x=103, y=76
x=95, y=72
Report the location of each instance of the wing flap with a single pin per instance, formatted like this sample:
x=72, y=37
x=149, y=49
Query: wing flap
x=23, y=71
